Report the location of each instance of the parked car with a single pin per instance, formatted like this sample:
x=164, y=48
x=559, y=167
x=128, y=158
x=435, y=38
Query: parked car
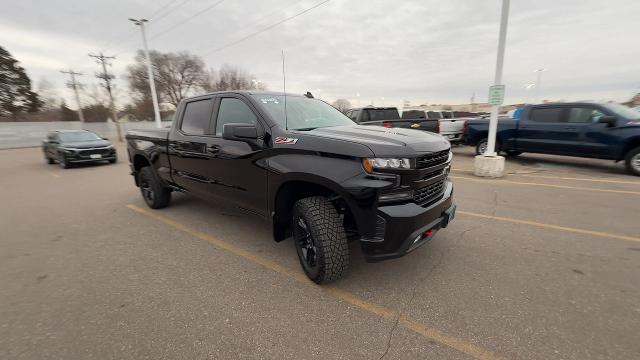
x=390, y=117
x=307, y=169
x=593, y=130
x=68, y=147
x=451, y=126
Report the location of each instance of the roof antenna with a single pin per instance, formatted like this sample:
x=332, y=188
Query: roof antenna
x=284, y=90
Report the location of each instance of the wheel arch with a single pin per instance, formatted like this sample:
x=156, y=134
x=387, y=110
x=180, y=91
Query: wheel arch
x=628, y=146
x=294, y=189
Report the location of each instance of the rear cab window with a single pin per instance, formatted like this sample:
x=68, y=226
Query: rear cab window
x=196, y=119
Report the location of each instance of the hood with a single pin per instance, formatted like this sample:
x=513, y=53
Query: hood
x=87, y=144
x=385, y=141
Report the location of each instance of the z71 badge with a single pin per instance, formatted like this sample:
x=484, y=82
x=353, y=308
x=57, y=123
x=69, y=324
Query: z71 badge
x=285, y=140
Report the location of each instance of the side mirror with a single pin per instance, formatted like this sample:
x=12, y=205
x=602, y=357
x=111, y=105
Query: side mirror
x=239, y=132
x=609, y=120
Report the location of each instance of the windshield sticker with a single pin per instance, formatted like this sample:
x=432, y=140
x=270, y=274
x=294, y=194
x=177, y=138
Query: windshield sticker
x=285, y=140
x=270, y=100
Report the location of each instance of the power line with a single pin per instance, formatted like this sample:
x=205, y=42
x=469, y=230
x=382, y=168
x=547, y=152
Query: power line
x=158, y=17
x=171, y=28
x=264, y=29
x=162, y=8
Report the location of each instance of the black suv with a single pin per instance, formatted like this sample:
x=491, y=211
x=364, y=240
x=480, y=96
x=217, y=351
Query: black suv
x=69, y=147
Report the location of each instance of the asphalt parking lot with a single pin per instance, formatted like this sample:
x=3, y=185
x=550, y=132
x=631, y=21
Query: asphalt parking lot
x=542, y=264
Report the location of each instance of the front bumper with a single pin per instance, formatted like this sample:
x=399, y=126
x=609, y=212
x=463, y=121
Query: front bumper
x=76, y=157
x=408, y=226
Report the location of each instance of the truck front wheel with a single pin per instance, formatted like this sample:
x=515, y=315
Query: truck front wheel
x=154, y=194
x=320, y=239
x=632, y=161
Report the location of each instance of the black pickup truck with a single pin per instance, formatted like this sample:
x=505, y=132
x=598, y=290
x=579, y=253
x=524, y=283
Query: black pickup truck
x=583, y=129
x=390, y=117
x=308, y=170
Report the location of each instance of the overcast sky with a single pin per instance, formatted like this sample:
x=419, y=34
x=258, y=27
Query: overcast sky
x=424, y=51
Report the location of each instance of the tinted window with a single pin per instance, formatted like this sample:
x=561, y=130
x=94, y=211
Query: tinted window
x=447, y=115
x=196, y=117
x=78, y=136
x=382, y=114
x=413, y=114
x=548, y=115
x=354, y=115
x=234, y=111
x=584, y=115
x=434, y=115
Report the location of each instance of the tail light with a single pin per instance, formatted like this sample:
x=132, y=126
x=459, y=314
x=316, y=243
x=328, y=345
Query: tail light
x=387, y=124
x=438, y=126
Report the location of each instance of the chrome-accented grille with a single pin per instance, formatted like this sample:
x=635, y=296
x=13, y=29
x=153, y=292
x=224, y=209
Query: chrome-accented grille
x=432, y=159
x=101, y=151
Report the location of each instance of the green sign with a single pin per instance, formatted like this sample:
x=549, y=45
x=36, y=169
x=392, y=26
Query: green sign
x=496, y=94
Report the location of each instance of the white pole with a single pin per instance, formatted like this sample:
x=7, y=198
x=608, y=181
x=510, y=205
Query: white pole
x=493, y=122
x=539, y=71
x=152, y=85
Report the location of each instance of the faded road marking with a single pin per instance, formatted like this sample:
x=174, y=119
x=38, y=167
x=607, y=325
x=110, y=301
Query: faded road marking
x=550, y=226
x=546, y=185
x=380, y=311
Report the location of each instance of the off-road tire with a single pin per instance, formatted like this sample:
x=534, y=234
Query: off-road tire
x=159, y=196
x=631, y=161
x=113, y=161
x=64, y=163
x=328, y=235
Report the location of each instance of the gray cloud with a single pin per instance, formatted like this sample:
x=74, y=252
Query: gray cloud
x=425, y=51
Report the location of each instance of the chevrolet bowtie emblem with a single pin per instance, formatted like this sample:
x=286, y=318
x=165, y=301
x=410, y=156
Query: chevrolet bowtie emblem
x=413, y=126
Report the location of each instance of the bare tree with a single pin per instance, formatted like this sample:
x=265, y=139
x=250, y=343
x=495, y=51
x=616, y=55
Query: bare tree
x=177, y=75
x=232, y=78
x=342, y=105
x=48, y=95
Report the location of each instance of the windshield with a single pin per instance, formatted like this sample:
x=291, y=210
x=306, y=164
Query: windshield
x=302, y=113
x=78, y=136
x=623, y=111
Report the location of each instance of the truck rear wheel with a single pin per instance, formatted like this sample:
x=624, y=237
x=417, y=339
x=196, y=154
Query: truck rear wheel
x=154, y=194
x=481, y=146
x=632, y=161
x=320, y=239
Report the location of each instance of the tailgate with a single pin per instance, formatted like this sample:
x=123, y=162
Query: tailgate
x=452, y=126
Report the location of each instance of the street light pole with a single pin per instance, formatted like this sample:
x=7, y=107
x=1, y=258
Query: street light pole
x=489, y=164
x=493, y=122
x=152, y=85
x=539, y=71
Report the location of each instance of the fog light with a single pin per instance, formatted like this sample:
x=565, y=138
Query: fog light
x=397, y=196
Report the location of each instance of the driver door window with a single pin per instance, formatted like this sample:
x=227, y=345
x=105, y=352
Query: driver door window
x=233, y=110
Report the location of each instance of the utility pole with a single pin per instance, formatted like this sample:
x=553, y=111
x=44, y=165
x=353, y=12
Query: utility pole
x=489, y=164
x=152, y=85
x=106, y=77
x=75, y=85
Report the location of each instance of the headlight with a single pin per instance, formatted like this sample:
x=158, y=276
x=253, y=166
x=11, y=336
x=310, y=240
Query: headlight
x=385, y=163
x=71, y=150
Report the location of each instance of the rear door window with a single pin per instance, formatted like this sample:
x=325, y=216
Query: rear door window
x=197, y=117
x=547, y=115
x=354, y=115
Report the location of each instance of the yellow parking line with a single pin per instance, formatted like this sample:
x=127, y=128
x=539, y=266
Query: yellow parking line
x=564, y=178
x=546, y=185
x=551, y=226
x=380, y=311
